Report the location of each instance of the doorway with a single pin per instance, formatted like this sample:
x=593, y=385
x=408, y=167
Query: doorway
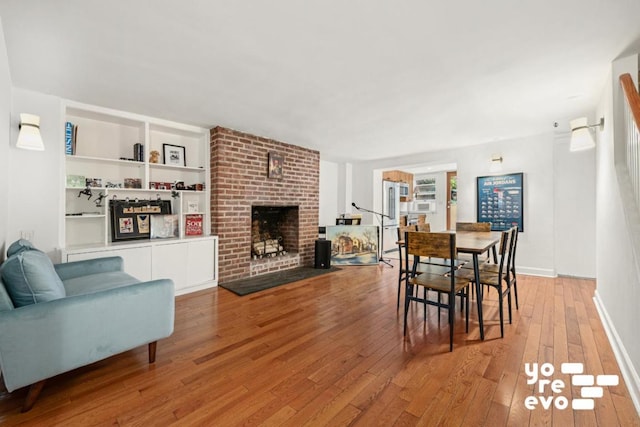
x=452, y=199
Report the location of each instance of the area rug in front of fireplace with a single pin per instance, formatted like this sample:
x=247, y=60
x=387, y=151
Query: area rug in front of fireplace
x=271, y=280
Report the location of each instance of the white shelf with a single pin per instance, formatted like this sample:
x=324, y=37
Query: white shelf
x=104, y=160
x=84, y=216
x=174, y=167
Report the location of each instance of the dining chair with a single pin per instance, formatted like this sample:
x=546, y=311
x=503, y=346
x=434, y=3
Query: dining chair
x=497, y=276
x=474, y=226
x=439, y=245
x=426, y=228
x=402, y=270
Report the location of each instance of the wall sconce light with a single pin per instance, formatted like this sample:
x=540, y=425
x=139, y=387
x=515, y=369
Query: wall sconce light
x=496, y=163
x=581, y=138
x=29, y=137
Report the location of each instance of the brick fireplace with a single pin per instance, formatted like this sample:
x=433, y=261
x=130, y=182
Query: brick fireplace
x=239, y=184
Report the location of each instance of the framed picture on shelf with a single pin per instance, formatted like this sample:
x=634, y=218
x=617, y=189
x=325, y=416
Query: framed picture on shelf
x=193, y=206
x=193, y=225
x=164, y=226
x=276, y=162
x=131, y=220
x=174, y=155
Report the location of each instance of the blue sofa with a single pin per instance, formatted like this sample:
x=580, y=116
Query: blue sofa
x=92, y=311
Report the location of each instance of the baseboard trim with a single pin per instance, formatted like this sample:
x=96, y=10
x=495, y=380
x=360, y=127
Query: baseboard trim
x=629, y=373
x=531, y=271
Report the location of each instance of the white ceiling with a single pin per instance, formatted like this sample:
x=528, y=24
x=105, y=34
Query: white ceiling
x=358, y=80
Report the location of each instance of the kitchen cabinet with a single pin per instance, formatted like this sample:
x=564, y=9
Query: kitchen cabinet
x=403, y=177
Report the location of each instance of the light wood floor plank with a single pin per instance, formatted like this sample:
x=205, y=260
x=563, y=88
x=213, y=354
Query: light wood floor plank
x=331, y=351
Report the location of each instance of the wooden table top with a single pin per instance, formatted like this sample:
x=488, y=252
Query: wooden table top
x=473, y=241
x=476, y=241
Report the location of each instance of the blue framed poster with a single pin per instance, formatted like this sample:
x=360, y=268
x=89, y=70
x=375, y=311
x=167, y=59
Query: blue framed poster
x=500, y=201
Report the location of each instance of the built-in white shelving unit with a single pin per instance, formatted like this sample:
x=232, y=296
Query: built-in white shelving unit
x=104, y=159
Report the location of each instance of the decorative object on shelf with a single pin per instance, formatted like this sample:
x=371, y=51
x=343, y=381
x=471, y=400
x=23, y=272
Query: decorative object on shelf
x=93, y=182
x=175, y=194
x=276, y=162
x=500, y=201
x=99, y=199
x=174, y=155
x=138, y=152
x=193, y=206
x=76, y=181
x=178, y=185
x=86, y=192
x=132, y=183
x=29, y=136
x=154, y=156
x=193, y=225
x=110, y=184
x=131, y=220
x=164, y=226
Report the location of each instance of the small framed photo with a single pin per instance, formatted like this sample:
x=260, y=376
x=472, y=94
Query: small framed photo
x=276, y=161
x=164, y=226
x=174, y=155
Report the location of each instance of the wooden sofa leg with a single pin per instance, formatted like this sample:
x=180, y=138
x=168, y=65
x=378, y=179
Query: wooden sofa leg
x=32, y=396
x=152, y=351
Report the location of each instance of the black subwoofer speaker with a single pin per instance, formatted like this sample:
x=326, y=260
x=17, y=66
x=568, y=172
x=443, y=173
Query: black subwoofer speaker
x=323, y=253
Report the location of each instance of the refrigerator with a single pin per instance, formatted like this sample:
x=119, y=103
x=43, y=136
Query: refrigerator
x=391, y=208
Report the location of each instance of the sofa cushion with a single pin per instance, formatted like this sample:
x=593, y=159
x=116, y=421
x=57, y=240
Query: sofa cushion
x=97, y=282
x=29, y=278
x=5, y=299
x=20, y=246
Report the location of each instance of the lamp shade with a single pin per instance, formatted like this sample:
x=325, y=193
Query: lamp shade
x=29, y=137
x=581, y=138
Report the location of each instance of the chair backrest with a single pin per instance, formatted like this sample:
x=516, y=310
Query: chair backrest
x=436, y=245
x=505, y=250
x=511, y=261
x=425, y=227
x=473, y=226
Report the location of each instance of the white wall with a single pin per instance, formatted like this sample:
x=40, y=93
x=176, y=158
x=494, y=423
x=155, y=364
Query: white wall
x=575, y=209
x=535, y=157
x=34, y=194
x=618, y=278
x=328, y=192
x=5, y=142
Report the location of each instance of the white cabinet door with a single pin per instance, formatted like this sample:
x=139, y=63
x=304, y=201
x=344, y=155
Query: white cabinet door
x=200, y=262
x=170, y=262
x=137, y=261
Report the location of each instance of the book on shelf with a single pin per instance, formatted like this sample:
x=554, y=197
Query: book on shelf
x=193, y=225
x=70, y=137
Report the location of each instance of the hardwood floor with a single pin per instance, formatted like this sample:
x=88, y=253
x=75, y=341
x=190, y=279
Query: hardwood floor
x=330, y=351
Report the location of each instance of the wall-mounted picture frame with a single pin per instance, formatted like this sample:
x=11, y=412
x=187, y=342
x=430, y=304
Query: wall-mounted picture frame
x=174, y=155
x=276, y=163
x=500, y=201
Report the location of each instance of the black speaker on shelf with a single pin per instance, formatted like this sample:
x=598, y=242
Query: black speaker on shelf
x=323, y=253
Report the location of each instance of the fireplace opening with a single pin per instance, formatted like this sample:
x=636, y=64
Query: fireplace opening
x=274, y=231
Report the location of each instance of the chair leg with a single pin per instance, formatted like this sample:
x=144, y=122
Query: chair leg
x=32, y=395
x=152, y=351
x=509, y=300
x=452, y=311
x=500, y=306
x=515, y=290
x=466, y=292
x=407, y=291
x=399, y=286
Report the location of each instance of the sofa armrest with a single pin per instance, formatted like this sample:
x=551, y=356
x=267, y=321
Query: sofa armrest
x=42, y=340
x=69, y=270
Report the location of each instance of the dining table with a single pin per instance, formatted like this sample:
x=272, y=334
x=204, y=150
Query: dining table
x=476, y=243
